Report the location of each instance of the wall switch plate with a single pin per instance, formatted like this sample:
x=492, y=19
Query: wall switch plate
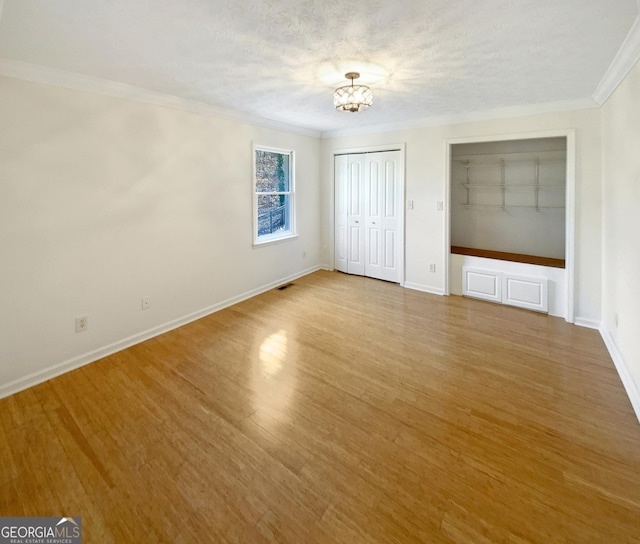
x=440, y=205
x=82, y=323
x=409, y=204
x=432, y=267
x=146, y=303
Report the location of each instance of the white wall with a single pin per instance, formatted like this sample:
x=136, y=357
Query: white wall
x=426, y=184
x=104, y=201
x=621, y=230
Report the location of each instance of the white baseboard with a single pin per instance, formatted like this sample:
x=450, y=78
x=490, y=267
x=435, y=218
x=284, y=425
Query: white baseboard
x=623, y=370
x=76, y=362
x=587, y=323
x=423, y=288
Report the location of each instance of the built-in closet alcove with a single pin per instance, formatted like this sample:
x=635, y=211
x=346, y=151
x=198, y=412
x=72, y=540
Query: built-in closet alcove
x=508, y=221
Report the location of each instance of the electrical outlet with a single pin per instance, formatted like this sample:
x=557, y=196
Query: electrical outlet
x=432, y=267
x=146, y=303
x=82, y=323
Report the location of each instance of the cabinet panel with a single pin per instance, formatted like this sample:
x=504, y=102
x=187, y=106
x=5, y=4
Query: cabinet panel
x=506, y=288
x=484, y=284
x=530, y=293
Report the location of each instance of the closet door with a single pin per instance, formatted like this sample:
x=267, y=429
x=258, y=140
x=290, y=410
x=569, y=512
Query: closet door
x=383, y=198
x=341, y=212
x=356, y=215
x=368, y=196
x=374, y=204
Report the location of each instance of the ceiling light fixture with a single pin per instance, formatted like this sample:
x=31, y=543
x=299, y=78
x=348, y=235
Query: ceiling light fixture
x=352, y=97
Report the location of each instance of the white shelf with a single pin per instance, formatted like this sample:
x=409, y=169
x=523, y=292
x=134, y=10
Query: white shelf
x=467, y=163
x=505, y=185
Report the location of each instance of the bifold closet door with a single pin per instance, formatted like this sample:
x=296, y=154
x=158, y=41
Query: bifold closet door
x=367, y=218
x=382, y=211
x=349, y=219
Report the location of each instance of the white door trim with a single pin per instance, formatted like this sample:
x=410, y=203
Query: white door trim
x=370, y=149
x=570, y=218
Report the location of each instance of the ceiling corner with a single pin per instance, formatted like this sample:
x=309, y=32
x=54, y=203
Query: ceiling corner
x=624, y=61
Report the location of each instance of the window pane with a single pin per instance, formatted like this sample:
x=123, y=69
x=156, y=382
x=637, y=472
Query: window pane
x=273, y=214
x=272, y=171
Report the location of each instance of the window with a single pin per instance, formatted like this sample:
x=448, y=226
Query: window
x=274, y=196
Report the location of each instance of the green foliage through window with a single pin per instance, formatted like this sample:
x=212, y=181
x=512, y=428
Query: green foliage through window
x=274, y=194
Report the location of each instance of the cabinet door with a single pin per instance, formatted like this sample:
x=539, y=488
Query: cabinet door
x=484, y=284
x=525, y=292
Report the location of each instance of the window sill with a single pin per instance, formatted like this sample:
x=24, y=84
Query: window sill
x=267, y=241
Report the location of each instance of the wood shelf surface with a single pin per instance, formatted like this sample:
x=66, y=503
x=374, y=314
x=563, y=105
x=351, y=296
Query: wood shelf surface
x=507, y=206
x=510, y=186
x=513, y=257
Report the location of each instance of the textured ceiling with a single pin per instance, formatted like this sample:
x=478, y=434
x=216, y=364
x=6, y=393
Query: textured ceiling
x=280, y=59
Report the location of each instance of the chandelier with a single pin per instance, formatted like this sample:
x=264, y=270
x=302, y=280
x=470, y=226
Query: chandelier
x=352, y=97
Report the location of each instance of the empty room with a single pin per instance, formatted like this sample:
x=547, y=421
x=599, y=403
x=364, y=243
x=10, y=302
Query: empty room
x=291, y=271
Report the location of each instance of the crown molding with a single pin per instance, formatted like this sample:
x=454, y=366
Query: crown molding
x=78, y=82
x=624, y=61
x=470, y=117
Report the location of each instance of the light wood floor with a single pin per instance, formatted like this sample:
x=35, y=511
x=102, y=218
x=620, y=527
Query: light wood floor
x=339, y=410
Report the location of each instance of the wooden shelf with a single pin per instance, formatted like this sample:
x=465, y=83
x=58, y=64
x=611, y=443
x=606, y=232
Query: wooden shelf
x=513, y=257
x=511, y=186
x=507, y=206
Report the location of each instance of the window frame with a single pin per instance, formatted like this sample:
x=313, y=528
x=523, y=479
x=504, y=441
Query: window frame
x=291, y=193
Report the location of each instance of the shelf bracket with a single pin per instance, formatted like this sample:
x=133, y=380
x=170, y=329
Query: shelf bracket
x=502, y=182
x=537, y=188
x=466, y=165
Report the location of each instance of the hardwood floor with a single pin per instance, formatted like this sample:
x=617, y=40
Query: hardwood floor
x=339, y=410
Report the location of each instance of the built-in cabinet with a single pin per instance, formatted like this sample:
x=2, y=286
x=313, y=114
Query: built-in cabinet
x=368, y=214
x=505, y=287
